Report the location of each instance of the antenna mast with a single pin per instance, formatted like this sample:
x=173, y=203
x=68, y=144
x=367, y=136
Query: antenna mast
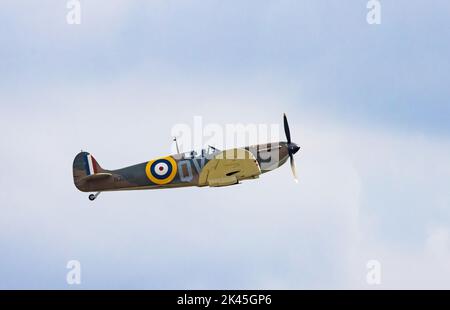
x=176, y=143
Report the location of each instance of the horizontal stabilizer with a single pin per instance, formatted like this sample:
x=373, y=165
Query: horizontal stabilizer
x=97, y=176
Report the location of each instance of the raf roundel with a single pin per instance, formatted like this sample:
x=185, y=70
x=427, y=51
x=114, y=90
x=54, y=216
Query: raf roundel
x=161, y=171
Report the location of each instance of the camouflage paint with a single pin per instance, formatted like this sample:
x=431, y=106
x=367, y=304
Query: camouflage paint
x=184, y=170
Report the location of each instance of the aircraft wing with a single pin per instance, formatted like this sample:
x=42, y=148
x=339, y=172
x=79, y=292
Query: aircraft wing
x=97, y=176
x=229, y=167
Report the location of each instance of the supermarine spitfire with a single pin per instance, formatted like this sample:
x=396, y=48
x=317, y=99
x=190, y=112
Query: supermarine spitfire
x=211, y=167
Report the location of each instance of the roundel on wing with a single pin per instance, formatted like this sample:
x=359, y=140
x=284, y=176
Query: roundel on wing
x=161, y=171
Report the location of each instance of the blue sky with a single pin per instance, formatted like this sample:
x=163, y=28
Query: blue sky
x=368, y=104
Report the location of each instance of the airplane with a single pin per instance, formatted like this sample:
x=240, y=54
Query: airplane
x=211, y=167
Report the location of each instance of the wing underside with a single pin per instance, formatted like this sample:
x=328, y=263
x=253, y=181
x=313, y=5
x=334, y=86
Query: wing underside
x=229, y=167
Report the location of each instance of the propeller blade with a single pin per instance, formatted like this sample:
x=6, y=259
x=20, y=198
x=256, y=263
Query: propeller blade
x=286, y=129
x=294, y=172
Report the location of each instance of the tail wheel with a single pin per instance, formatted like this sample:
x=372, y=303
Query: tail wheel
x=92, y=197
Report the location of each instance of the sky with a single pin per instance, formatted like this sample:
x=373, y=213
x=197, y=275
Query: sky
x=368, y=104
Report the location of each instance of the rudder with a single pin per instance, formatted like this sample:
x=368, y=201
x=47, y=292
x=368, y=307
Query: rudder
x=85, y=165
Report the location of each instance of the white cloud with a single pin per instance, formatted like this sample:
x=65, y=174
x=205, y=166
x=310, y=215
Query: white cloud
x=261, y=234
x=366, y=191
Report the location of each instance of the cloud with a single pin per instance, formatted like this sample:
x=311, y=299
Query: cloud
x=370, y=187
x=361, y=196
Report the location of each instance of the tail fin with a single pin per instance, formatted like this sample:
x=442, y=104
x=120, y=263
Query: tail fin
x=85, y=165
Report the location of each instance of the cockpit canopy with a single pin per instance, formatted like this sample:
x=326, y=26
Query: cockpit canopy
x=209, y=152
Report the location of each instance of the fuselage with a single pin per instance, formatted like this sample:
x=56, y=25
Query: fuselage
x=177, y=170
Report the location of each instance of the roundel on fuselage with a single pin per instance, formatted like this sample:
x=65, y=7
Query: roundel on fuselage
x=161, y=171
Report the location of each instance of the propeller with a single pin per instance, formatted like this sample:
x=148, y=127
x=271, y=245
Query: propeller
x=292, y=147
x=286, y=129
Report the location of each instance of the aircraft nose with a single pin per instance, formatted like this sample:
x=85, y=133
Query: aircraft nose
x=293, y=148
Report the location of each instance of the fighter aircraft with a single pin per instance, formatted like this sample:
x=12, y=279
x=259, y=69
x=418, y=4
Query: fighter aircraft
x=211, y=167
